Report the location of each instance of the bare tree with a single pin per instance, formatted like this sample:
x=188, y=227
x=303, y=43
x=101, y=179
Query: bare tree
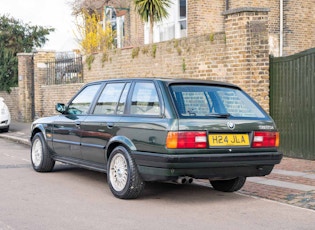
x=97, y=5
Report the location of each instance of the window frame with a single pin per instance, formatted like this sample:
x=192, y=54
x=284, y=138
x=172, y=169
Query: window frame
x=101, y=94
x=218, y=100
x=91, y=105
x=131, y=93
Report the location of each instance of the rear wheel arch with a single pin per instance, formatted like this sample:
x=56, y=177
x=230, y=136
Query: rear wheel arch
x=117, y=141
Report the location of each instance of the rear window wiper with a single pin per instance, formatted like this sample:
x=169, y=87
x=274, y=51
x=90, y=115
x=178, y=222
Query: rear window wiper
x=219, y=115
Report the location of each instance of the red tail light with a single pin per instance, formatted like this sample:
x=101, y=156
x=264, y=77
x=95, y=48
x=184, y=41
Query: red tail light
x=265, y=139
x=186, y=140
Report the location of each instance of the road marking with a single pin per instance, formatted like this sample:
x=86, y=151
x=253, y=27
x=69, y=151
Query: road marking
x=15, y=166
x=282, y=184
x=294, y=173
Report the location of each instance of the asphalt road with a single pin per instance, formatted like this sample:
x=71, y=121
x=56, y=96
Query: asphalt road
x=73, y=198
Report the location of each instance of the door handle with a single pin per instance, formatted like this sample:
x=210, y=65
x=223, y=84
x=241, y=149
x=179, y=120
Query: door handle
x=110, y=125
x=78, y=124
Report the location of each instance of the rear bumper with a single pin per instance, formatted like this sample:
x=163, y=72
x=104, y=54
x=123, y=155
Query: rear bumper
x=162, y=167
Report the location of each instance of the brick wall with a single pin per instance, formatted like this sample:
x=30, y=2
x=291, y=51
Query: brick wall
x=299, y=26
x=248, y=3
x=238, y=56
x=298, y=23
x=136, y=34
x=40, y=78
x=247, y=42
x=274, y=27
x=204, y=18
x=11, y=100
x=25, y=91
x=53, y=94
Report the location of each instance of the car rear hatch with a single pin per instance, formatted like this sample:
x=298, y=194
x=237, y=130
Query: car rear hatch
x=227, y=135
x=220, y=118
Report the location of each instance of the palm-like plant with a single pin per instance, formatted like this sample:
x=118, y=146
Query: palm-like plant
x=152, y=11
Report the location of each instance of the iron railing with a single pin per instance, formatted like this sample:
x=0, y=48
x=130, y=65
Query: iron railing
x=67, y=68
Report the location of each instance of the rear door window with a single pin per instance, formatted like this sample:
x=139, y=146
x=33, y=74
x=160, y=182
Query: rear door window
x=108, y=101
x=213, y=101
x=145, y=100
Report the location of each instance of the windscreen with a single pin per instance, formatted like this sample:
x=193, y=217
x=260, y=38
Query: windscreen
x=214, y=101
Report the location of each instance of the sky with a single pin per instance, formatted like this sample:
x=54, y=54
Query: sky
x=48, y=13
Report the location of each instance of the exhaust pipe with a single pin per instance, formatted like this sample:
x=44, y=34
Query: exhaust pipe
x=184, y=180
x=190, y=180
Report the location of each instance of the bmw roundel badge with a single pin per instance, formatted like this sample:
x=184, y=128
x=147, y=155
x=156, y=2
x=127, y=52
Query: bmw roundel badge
x=230, y=125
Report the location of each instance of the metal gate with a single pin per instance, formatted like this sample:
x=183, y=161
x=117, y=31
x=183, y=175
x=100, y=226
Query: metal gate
x=292, y=102
x=67, y=68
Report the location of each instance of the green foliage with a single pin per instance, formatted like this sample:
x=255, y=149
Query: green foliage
x=89, y=60
x=184, y=65
x=8, y=69
x=135, y=52
x=145, y=50
x=91, y=34
x=176, y=43
x=152, y=11
x=155, y=9
x=179, y=51
x=105, y=57
x=154, y=47
x=16, y=37
x=20, y=37
x=211, y=37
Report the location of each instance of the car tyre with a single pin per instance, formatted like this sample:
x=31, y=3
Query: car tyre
x=5, y=130
x=40, y=157
x=123, y=177
x=228, y=185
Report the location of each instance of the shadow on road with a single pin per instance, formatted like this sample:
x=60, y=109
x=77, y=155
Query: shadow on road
x=168, y=191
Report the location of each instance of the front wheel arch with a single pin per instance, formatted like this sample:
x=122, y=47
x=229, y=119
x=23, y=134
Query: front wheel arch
x=40, y=156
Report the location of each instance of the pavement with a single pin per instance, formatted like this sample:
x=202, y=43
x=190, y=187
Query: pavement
x=291, y=182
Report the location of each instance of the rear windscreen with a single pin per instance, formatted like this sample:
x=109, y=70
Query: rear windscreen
x=213, y=101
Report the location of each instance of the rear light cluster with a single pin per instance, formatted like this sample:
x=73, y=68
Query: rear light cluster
x=265, y=139
x=198, y=139
x=186, y=140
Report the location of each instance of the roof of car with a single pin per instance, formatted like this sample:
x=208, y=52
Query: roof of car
x=175, y=80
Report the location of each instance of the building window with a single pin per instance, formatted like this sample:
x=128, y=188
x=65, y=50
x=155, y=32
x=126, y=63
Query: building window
x=117, y=21
x=183, y=18
x=175, y=26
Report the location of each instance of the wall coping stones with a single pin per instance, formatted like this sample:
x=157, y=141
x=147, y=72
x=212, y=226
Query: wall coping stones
x=245, y=9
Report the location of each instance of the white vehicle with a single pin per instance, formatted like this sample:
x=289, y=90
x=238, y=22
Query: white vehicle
x=5, y=117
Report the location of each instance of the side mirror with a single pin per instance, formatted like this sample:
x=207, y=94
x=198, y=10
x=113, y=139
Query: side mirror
x=60, y=107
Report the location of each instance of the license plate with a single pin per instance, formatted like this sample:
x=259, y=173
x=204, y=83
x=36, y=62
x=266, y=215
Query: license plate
x=218, y=140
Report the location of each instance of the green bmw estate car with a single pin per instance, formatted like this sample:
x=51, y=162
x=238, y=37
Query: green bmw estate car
x=138, y=130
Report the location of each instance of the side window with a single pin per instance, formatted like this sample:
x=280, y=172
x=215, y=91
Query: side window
x=109, y=98
x=197, y=103
x=195, y=100
x=123, y=98
x=81, y=103
x=238, y=105
x=145, y=100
